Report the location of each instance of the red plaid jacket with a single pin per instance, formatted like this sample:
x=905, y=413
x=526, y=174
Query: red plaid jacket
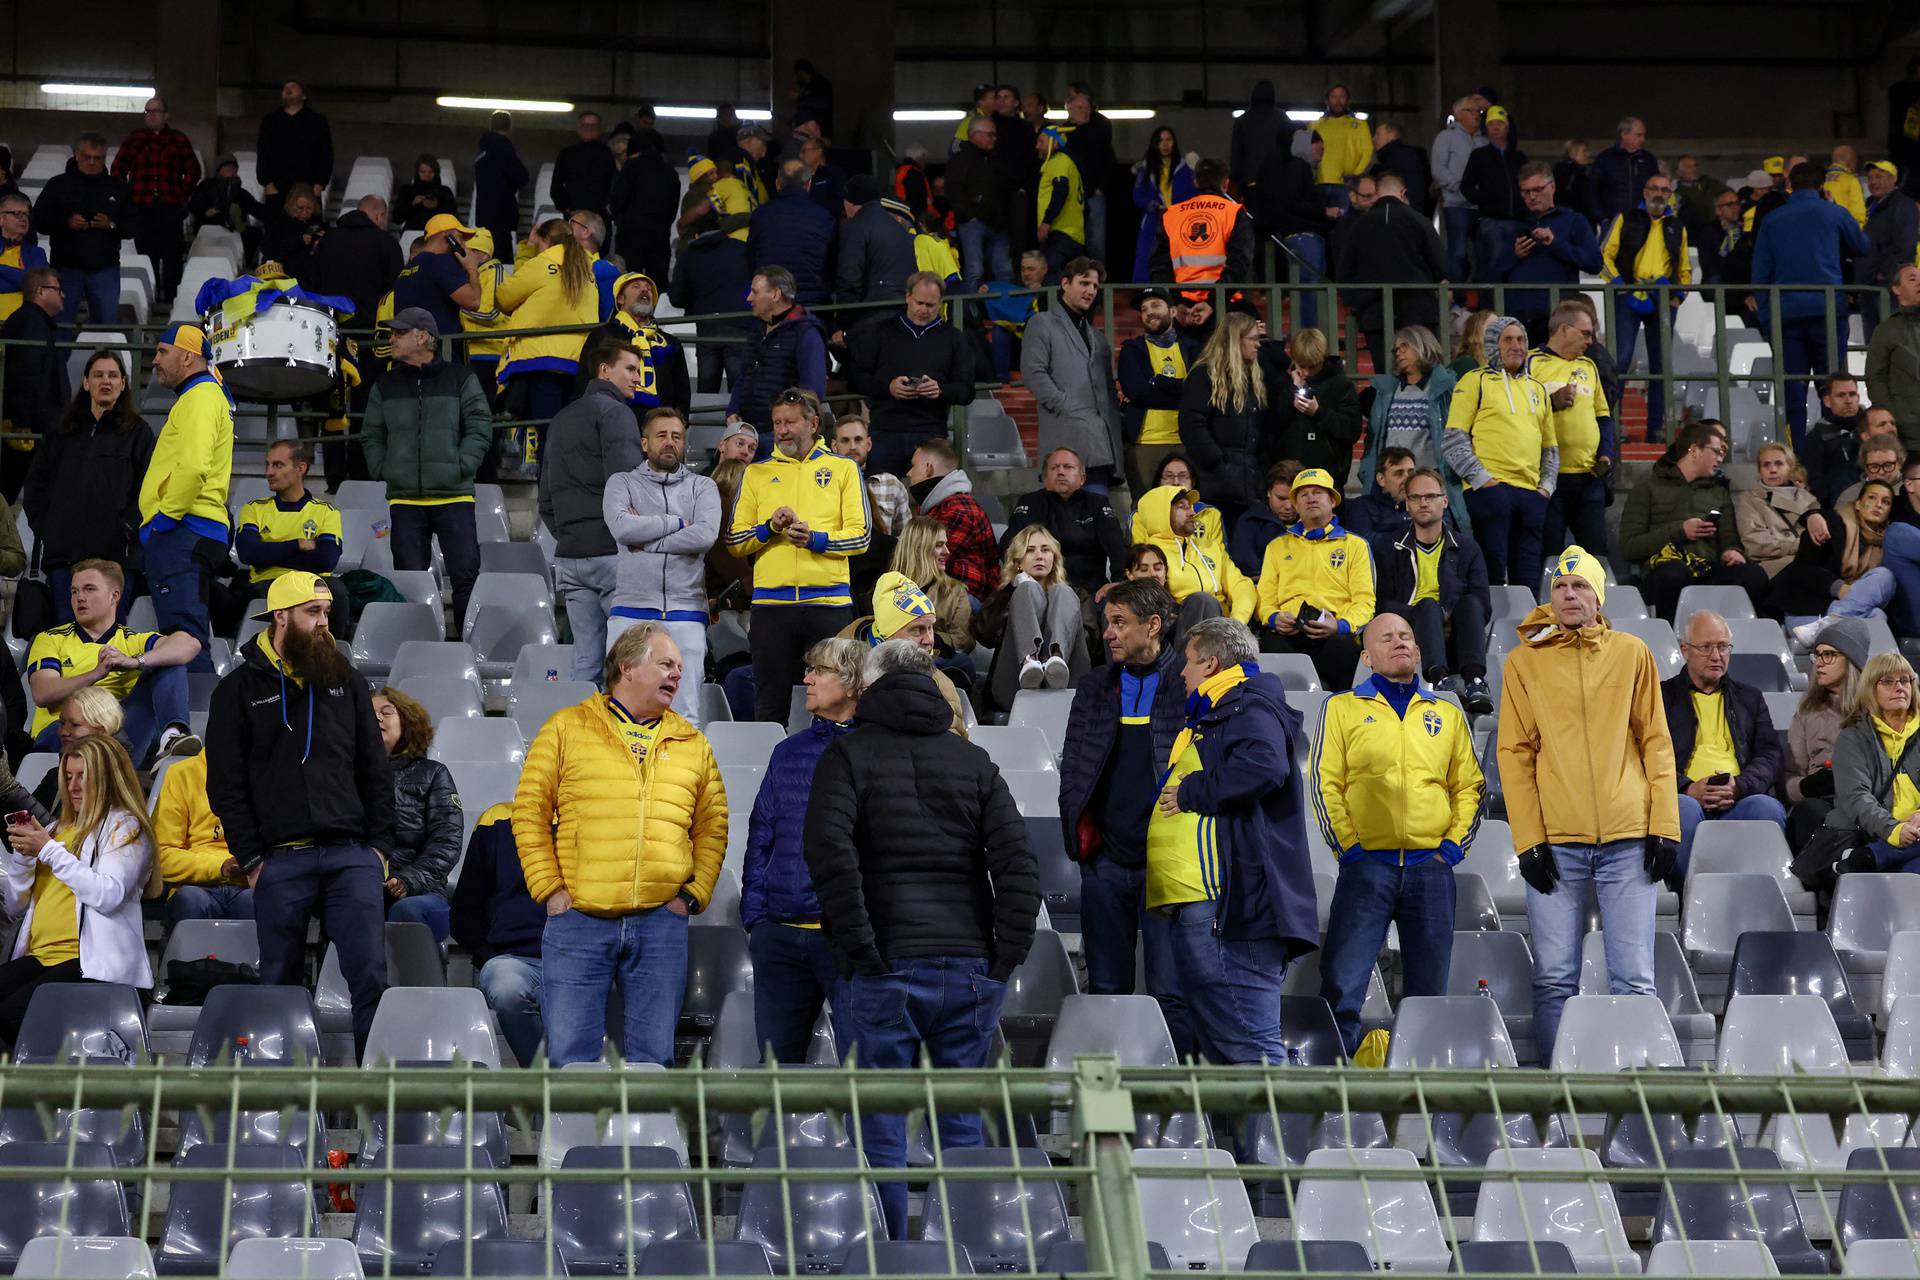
x=159, y=165
x=975, y=558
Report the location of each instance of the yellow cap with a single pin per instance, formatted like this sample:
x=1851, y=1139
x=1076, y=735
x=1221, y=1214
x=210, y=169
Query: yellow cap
x=441, y=223
x=1887, y=167
x=1498, y=115
x=1774, y=164
x=620, y=285
x=1576, y=562
x=481, y=239
x=291, y=590
x=701, y=168
x=897, y=601
x=1316, y=478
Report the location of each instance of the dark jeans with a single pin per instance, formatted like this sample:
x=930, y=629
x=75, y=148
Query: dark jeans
x=1334, y=658
x=415, y=528
x=720, y=358
x=1458, y=226
x=1113, y=920
x=1507, y=523
x=779, y=639
x=157, y=701
x=343, y=881
x=1490, y=235
x=99, y=289
x=179, y=565
x=209, y=902
x=949, y=1005
x=1232, y=987
x=1581, y=500
x=156, y=233
x=1660, y=586
x=1803, y=350
x=18, y=981
x=1368, y=896
x=1456, y=645
x=429, y=909
x=1627, y=324
x=793, y=976
x=536, y=395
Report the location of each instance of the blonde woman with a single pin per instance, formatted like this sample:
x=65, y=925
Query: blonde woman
x=76, y=890
x=922, y=554
x=1876, y=779
x=1470, y=352
x=550, y=288
x=85, y=713
x=1033, y=619
x=1225, y=414
x=1772, y=515
x=1317, y=413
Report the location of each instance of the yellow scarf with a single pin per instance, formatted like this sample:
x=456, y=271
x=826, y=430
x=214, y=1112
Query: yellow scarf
x=1199, y=703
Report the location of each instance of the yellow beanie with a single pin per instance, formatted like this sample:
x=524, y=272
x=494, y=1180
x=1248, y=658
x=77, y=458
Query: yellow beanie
x=897, y=601
x=1580, y=563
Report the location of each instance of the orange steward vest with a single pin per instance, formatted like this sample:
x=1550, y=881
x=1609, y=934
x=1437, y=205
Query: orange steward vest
x=1197, y=231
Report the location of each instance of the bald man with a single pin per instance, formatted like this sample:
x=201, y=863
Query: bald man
x=1724, y=744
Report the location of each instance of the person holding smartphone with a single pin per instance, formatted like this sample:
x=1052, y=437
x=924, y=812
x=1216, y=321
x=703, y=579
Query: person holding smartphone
x=1724, y=744
x=1678, y=525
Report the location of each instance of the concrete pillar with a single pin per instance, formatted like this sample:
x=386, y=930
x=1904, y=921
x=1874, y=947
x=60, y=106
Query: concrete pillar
x=851, y=42
x=186, y=69
x=1466, y=50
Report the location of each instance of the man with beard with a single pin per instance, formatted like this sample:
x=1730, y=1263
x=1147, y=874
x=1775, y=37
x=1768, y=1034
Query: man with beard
x=1153, y=373
x=663, y=366
x=297, y=775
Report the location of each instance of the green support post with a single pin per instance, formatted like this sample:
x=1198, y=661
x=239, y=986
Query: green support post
x=1103, y=1127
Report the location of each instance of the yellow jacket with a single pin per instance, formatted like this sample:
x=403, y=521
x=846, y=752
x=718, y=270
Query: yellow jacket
x=533, y=297
x=485, y=317
x=731, y=198
x=186, y=480
x=1349, y=148
x=1193, y=563
x=619, y=835
x=192, y=844
x=826, y=492
x=1332, y=572
x=1585, y=755
x=1508, y=419
x=1843, y=187
x=1071, y=220
x=1393, y=784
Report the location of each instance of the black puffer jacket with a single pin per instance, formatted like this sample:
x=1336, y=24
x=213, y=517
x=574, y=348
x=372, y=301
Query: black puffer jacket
x=1226, y=447
x=913, y=840
x=426, y=825
x=1327, y=436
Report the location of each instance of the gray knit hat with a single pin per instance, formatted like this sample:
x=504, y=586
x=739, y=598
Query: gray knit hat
x=1849, y=636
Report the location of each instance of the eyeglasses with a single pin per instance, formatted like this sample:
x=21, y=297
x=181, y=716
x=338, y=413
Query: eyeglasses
x=1711, y=650
x=1887, y=682
x=1426, y=497
x=1827, y=655
x=792, y=397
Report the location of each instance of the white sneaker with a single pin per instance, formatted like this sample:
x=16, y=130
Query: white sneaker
x=178, y=741
x=1058, y=673
x=1033, y=674
x=1803, y=635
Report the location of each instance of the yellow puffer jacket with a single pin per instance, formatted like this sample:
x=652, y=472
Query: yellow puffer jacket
x=533, y=297
x=618, y=835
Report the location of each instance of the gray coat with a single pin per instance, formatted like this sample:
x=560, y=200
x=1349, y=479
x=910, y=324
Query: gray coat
x=664, y=522
x=1072, y=380
x=1810, y=743
x=1863, y=780
x=590, y=440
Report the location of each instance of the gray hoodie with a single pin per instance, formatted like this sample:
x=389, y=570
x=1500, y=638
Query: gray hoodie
x=1452, y=147
x=664, y=522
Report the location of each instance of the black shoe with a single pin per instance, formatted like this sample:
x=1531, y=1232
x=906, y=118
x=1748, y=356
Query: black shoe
x=1479, y=697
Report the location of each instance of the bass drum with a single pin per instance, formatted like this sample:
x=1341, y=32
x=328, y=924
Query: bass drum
x=290, y=351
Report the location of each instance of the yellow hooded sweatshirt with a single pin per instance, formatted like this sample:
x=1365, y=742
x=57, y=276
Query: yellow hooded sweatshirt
x=1192, y=564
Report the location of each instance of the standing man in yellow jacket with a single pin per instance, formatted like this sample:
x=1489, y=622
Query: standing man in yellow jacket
x=620, y=821
x=1316, y=584
x=1397, y=793
x=801, y=517
x=1347, y=147
x=184, y=527
x=1060, y=215
x=1586, y=762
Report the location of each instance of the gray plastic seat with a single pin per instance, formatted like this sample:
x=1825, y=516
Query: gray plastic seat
x=1615, y=1033
x=907, y=1258
x=1720, y=906
x=1737, y=1209
x=416, y=586
x=445, y=1126
x=531, y=706
x=506, y=613
x=486, y=740
x=1743, y=1259
x=1869, y=907
x=1753, y=847
x=717, y=965
x=1020, y=748
x=1504, y=962
x=829, y=1215
x=1460, y=1033
x=611, y=1125
x=1512, y=1257
x=1133, y=1029
x=1393, y=1219
x=1761, y=659
x=70, y=1020
x=1672, y=983
x=1511, y=603
x=433, y=1024
x=413, y=960
x=498, y=1258
x=748, y=743
x=1578, y=1213
x=444, y=697
x=385, y=626
x=1069, y=1256
x=277, y=1023
x=85, y=1258
x=1035, y=993
x=1876, y=1210
x=1728, y=602
x=59, y=1206
x=1473, y=906
x=305, y=1259
x=480, y=787
x=206, y=1219
x=1800, y=962
x=520, y=558
x=408, y=1222
x=360, y=494
x=1004, y=1225
x=736, y=1044
x=524, y=591
x=1307, y=1256
x=437, y=659
x=1882, y=1258
x=706, y=1258
x=536, y=660
x=597, y=1226
x=1295, y=670
x=1205, y=1223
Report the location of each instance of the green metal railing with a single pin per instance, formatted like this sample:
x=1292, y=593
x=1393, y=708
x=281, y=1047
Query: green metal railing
x=1092, y=1113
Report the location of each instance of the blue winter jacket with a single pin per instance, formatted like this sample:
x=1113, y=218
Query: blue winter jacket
x=1801, y=243
x=1249, y=782
x=776, y=886
x=1093, y=726
x=492, y=912
x=792, y=231
x=1573, y=250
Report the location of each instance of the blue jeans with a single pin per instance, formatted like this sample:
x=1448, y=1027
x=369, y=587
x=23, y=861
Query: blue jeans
x=1627, y=324
x=1312, y=252
x=1754, y=808
x=1232, y=988
x=1458, y=225
x=511, y=985
x=949, y=1005
x=586, y=585
x=429, y=909
x=583, y=956
x=985, y=254
x=209, y=902
x=1113, y=914
x=1368, y=896
x=793, y=975
x=177, y=564
x=1558, y=920
x=1581, y=500
x=1096, y=215
x=344, y=882
x=101, y=289
x=1803, y=350
x=157, y=700
x=1490, y=235
x=1507, y=522
x=1900, y=561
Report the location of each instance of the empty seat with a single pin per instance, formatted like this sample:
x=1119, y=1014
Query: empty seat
x=537, y=661
x=1615, y=1033
x=1578, y=1213
x=1505, y=963
x=77, y=1020
x=749, y=743
x=717, y=965
x=1736, y=1209
x=1511, y=1257
x=526, y=558
x=1761, y=659
x=1016, y=747
x=498, y=1258
x=360, y=493
x=480, y=787
x=1720, y=906
x=206, y=1219
x=1294, y=669
x=613, y=1125
x=484, y=740
x=1473, y=905
x=58, y=1206
x=277, y=1024
x=1312, y=1040
x=1004, y=1225
x=1673, y=984
x=1068, y=1256
x=1787, y=1035
x=1760, y=847
x=1035, y=992
x=809, y=1220
x=438, y=659
x=908, y=1258
x=599, y=1227
x=1059, y=874
x=1736, y=1258
x=448, y=1125
x=1869, y=907
x=408, y=1222
x=507, y=612
x=1902, y=976
x=433, y=1024
x=531, y=706
x=705, y=1258
x=385, y=626
x=1133, y=1029
x=1393, y=1218
x=1042, y=709
x=1206, y=1223
x=1885, y=1210
x=1728, y=602
x=444, y=697
x=1771, y=963
x=85, y=1258
x=1459, y=1032
x=1883, y=1258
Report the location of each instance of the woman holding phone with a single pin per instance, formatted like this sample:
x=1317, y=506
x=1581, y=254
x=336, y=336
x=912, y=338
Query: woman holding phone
x=76, y=889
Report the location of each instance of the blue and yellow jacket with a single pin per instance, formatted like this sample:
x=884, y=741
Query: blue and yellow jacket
x=1328, y=568
x=825, y=491
x=15, y=261
x=186, y=481
x=1394, y=775
x=534, y=296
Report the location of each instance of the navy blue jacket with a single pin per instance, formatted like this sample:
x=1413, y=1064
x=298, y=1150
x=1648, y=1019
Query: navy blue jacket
x=776, y=886
x=876, y=257
x=493, y=914
x=498, y=175
x=1093, y=726
x=1247, y=544
x=1573, y=250
x=1755, y=743
x=710, y=275
x=793, y=353
x=1249, y=783
x=794, y=232
x=1614, y=180
x=1463, y=570
x=1802, y=242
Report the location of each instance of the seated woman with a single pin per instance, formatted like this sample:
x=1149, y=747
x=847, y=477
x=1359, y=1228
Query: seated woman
x=1772, y=515
x=1837, y=570
x=426, y=816
x=922, y=555
x=1876, y=778
x=1839, y=652
x=86, y=713
x=1033, y=620
x=76, y=890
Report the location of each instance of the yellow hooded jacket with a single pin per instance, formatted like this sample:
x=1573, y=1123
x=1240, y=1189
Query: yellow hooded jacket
x=1193, y=564
x=192, y=844
x=1585, y=754
x=619, y=834
x=1328, y=568
x=533, y=296
x=1393, y=784
x=826, y=492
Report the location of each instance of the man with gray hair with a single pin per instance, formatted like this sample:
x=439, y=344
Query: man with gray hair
x=928, y=893
x=1227, y=858
x=589, y=230
x=793, y=231
x=787, y=348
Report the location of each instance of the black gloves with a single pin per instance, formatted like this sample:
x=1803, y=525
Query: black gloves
x=1818, y=784
x=1538, y=868
x=1663, y=861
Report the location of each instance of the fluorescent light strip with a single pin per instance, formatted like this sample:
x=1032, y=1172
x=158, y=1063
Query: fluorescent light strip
x=98, y=90
x=709, y=113
x=754, y=113
x=1306, y=117
x=502, y=104
x=935, y=116
x=1111, y=113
